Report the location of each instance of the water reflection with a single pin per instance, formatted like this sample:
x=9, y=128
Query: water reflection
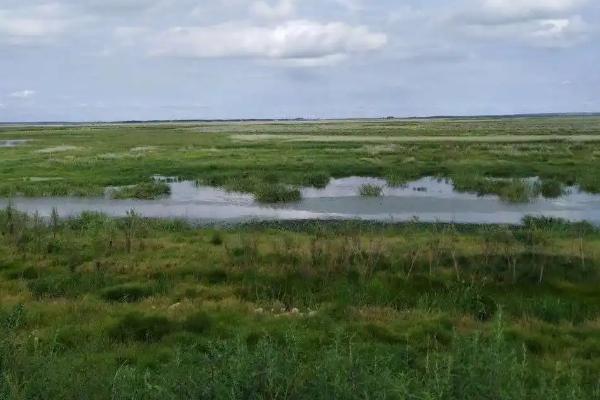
x=427, y=199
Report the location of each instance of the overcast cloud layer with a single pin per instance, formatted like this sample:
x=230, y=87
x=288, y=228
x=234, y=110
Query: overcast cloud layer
x=89, y=60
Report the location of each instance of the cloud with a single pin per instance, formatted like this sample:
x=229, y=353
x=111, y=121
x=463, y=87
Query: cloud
x=282, y=9
x=529, y=9
x=298, y=39
x=538, y=23
x=23, y=94
x=35, y=23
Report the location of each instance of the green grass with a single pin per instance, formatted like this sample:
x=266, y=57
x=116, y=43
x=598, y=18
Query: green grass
x=112, y=156
x=142, y=191
x=95, y=307
x=276, y=193
x=99, y=307
x=368, y=190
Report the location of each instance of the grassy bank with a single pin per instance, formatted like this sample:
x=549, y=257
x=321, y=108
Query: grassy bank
x=94, y=307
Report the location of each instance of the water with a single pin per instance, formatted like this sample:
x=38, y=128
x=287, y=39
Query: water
x=427, y=199
x=12, y=143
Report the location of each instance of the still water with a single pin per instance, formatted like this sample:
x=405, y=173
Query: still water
x=426, y=199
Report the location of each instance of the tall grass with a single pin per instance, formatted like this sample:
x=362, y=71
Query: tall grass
x=97, y=307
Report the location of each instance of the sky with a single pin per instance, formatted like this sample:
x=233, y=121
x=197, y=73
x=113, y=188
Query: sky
x=111, y=60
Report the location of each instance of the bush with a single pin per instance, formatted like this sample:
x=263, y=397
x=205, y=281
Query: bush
x=198, y=323
x=127, y=293
x=139, y=327
x=216, y=239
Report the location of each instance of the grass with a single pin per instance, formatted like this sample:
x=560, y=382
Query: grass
x=368, y=190
x=312, y=309
x=142, y=191
x=110, y=156
x=95, y=307
x=276, y=193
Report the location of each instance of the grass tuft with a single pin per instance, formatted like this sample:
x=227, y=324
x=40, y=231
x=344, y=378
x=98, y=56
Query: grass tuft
x=369, y=190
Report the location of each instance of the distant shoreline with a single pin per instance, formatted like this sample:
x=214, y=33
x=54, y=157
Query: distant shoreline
x=299, y=120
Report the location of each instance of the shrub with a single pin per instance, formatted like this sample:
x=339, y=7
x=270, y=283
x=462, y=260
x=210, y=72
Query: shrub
x=216, y=239
x=127, y=293
x=198, y=323
x=139, y=327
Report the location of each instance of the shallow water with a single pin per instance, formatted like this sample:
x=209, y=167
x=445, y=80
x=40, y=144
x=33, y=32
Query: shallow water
x=12, y=142
x=426, y=199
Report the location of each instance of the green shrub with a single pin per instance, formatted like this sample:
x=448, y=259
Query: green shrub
x=139, y=327
x=199, y=322
x=216, y=239
x=128, y=293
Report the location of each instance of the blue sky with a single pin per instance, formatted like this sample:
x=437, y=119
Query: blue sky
x=91, y=60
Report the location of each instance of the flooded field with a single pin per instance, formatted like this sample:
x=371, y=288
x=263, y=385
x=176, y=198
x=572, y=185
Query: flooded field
x=427, y=199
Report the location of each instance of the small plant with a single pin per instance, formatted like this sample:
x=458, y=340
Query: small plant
x=276, y=193
x=318, y=180
x=369, y=190
x=518, y=191
x=143, y=191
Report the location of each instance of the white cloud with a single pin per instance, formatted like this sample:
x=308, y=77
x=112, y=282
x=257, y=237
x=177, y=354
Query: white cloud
x=36, y=23
x=23, y=94
x=539, y=23
x=299, y=39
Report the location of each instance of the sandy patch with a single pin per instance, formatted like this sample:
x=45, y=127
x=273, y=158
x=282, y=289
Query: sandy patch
x=58, y=149
x=143, y=149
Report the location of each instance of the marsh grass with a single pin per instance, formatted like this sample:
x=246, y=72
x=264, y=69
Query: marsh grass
x=142, y=191
x=141, y=308
x=369, y=190
x=276, y=193
x=509, y=190
x=128, y=293
x=217, y=158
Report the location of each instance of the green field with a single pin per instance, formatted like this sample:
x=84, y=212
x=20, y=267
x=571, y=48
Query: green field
x=94, y=307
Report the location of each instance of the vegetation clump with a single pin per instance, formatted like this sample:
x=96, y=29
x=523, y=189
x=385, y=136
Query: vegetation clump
x=128, y=293
x=552, y=189
x=369, y=190
x=276, y=193
x=140, y=327
x=142, y=191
